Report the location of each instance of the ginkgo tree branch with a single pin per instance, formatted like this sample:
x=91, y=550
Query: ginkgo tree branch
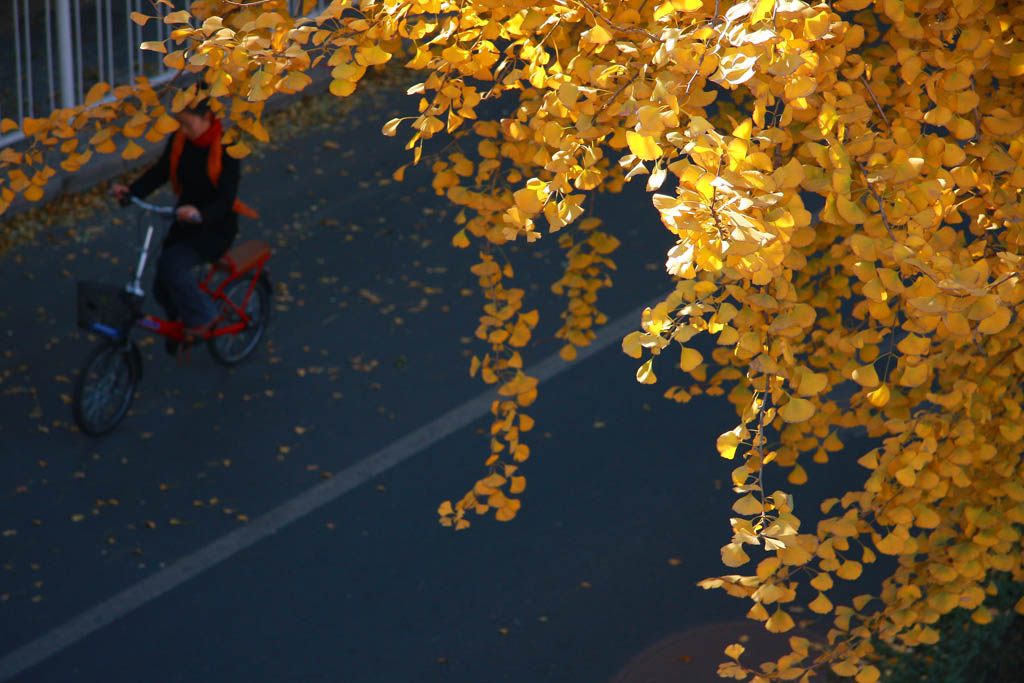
x=892, y=343
x=977, y=117
x=878, y=199
x=611, y=24
x=615, y=95
x=761, y=438
x=703, y=54
x=878, y=105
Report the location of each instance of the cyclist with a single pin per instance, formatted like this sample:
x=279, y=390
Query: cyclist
x=206, y=216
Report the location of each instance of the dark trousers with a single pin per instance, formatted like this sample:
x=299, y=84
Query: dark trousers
x=176, y=288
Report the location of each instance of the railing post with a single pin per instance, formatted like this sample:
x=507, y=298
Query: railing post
x=65, y=61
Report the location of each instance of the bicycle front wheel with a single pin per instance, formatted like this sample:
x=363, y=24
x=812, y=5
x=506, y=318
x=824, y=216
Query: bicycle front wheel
x=232, y=348
x=105, y=388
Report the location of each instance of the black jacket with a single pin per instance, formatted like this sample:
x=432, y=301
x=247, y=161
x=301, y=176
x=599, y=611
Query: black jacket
x=214, y=235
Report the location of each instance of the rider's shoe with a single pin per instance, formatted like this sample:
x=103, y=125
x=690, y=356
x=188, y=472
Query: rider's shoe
x=171, y=345
x=192, y=335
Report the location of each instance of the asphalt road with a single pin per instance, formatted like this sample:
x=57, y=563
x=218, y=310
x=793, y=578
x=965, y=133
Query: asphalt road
x=374, y=314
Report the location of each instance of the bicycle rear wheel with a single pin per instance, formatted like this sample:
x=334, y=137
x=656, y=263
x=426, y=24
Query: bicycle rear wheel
x=230, y=349
x=105, y=388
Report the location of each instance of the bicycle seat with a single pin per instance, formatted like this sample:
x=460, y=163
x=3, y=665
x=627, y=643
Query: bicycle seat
x=244, y=256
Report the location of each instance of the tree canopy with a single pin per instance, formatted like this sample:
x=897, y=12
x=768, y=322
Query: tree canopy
x=843, y=182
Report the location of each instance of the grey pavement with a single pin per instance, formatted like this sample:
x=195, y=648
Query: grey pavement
x=624, y=512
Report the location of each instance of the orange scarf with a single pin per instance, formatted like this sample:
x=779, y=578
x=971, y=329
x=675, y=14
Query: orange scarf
x=211, y=139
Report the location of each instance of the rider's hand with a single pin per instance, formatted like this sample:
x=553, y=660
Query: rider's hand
x=121, y=192
x=186, y=213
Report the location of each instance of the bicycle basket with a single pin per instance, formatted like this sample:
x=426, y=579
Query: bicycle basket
x=107, y=309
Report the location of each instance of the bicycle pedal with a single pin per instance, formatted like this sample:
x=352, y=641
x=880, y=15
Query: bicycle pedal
x=183, y=354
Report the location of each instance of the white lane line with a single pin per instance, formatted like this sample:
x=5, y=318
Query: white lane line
x=417, y=441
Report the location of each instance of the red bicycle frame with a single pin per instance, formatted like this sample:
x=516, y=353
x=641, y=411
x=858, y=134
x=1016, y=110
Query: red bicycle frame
x=247, y=259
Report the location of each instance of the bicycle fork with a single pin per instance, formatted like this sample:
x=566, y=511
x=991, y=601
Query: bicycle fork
x=136, y=284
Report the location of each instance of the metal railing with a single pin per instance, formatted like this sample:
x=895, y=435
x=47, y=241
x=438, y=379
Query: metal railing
x=53, y=51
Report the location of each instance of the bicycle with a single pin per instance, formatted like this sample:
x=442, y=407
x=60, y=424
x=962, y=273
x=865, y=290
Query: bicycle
x=238, y=284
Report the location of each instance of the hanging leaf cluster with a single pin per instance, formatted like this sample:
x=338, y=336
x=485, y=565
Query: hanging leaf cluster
x=842, y=181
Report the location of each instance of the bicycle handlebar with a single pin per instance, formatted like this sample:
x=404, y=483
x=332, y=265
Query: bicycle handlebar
x=152, y=208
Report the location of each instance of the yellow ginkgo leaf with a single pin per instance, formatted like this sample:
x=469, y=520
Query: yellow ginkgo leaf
x=797, y=410
x=799, y=87
x=958, y=325
x=505, y=514
x=850, y=211
x=568, y=93
x=779, y=622
x=812, y=383
x=913, y=345
x=179, y=17
x=238, y=150
x=727, y=444
x=598, y=34
x=822, y=582
x=880, y=396
x=528, y=200
x=997, y=322
x=869, y=674
x=926, y=517
x=643, y=146
x=790, y=176
x=866, y=376
x=748, y=505
x=369, y=56
x=914, y=375
x=820, y=604
x=132, y=151
x=734, y=650
x=733, y=555
x=690, y=359
x=175, y=60
x=797, y=476
x=165, y=124
x=890, y=545
x=294, y=82
x=844, y=668
x=96, y=93
x=849, y=570
x=631, y=344
x=645, y=373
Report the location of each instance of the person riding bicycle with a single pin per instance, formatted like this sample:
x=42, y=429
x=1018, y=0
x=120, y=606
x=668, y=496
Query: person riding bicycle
x=206, y=215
